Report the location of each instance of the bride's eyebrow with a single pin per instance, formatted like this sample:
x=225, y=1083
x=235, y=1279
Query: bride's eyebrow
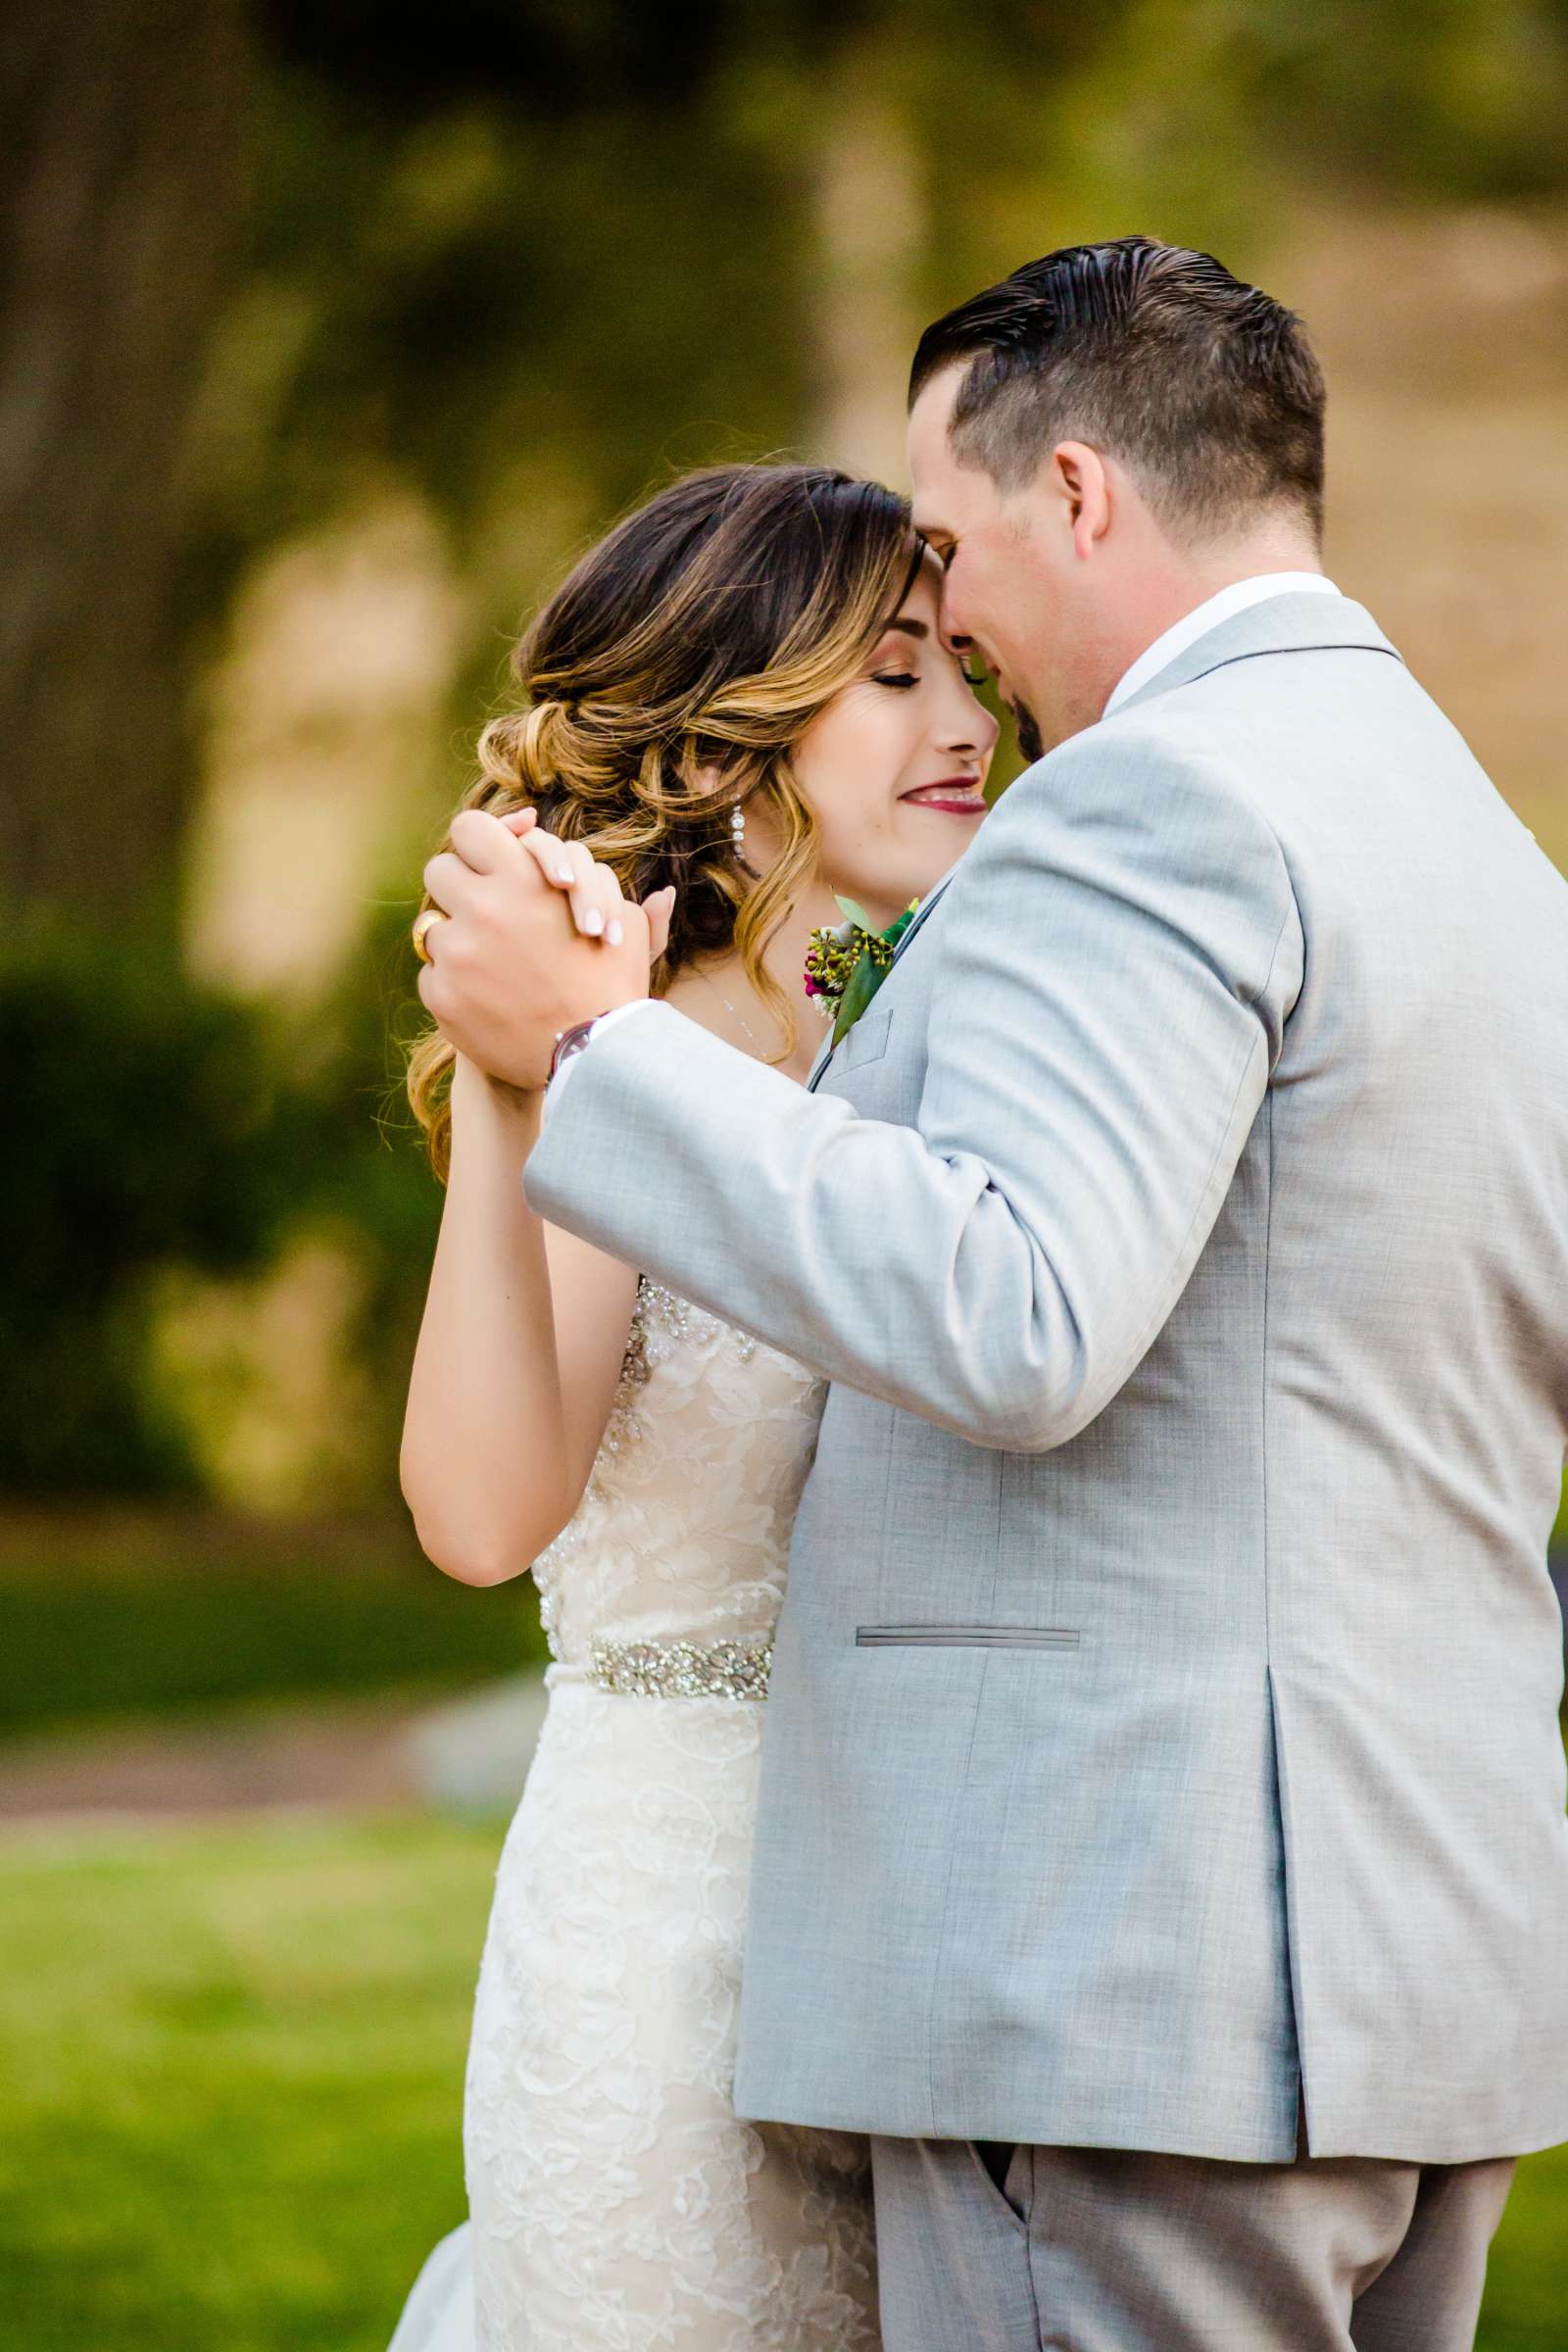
x=905, y=626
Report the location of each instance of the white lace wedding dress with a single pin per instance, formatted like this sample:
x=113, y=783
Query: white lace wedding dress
x=618, y=2204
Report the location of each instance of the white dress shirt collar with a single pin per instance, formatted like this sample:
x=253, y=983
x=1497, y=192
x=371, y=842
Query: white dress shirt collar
x=1222, y=606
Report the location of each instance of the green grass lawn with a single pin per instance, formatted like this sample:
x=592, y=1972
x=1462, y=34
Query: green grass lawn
x=233, y=2061
x=233, y=2054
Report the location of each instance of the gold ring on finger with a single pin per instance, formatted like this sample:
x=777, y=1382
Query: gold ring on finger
x=423, y=926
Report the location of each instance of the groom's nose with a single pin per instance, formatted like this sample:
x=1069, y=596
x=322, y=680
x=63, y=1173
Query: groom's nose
x=958, y=641
x=955, y=623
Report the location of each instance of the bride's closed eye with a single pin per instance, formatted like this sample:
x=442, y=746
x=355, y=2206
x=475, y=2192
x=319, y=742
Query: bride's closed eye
x=902, y=679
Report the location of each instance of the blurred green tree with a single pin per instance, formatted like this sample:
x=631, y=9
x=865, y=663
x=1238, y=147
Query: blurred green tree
x=119, y=130
x=155, y=1130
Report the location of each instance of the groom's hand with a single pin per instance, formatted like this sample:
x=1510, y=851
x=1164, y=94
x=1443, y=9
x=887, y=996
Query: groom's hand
x=537, y=937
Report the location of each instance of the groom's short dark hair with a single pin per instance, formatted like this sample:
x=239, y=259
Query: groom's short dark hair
x=1205, y=389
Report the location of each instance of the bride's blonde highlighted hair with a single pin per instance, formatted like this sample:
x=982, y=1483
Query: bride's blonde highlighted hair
x=670, y=677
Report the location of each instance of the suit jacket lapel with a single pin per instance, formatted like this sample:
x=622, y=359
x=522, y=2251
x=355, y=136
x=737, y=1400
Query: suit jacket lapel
x=1281, y=624
x=819, y=1066
x=922, y=910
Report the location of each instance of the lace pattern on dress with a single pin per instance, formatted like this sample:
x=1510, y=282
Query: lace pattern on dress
x=692, y=1362
x=618, y=2203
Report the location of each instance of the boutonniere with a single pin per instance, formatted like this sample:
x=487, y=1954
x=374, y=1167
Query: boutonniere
x=847, y=963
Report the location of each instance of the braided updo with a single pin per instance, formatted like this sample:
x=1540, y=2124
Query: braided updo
x=670, y=677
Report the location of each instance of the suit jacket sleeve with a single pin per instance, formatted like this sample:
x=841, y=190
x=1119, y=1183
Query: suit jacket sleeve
x=1119, y=952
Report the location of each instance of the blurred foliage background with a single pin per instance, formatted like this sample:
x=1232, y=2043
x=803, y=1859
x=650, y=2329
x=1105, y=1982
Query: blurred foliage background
x=328, y=334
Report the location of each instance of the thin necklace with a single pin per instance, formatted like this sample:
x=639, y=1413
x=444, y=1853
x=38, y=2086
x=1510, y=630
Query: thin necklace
x=730, y=1009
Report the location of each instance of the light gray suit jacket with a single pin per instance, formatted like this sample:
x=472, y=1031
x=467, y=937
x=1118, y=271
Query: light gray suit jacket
x=1164, y=1716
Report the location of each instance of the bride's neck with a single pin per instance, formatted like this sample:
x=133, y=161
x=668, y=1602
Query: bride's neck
x=717, y=991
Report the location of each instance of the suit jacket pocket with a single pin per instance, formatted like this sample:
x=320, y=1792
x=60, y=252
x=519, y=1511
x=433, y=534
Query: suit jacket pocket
x=867, y=1042
x=966, y=1637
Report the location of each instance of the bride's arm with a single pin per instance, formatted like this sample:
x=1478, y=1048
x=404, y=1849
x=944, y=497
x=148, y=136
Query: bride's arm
x=518, y=1354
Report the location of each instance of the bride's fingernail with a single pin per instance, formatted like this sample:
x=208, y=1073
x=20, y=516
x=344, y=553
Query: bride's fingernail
x=593, y=921
x=614, y=933
x=564, y=873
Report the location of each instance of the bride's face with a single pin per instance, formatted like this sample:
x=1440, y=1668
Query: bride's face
x=893, y=766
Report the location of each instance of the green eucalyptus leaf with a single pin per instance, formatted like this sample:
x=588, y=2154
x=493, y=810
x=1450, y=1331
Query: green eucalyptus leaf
x=862, y=985
x=857, y=916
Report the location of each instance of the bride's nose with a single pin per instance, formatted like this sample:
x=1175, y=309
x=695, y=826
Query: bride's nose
x=970, y=727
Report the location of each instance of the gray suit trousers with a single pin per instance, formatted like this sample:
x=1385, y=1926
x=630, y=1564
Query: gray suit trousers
x=1110, y=2250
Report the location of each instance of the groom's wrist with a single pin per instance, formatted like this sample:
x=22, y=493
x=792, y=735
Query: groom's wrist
x=572, y=1045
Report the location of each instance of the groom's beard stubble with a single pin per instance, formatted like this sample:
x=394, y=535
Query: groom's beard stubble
x=1027, y=728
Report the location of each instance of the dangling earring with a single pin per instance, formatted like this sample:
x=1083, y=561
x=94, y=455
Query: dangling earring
x=737, y=831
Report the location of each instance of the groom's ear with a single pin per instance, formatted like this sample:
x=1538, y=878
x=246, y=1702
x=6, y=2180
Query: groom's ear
x=1077, y=484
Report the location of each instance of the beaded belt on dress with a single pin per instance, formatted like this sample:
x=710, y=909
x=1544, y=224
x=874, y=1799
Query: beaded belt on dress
x=682, y=1669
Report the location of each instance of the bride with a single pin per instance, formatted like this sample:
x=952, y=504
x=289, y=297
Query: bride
x=738, y=704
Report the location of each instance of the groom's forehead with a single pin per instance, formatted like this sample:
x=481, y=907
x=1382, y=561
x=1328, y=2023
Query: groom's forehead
x=944, y=490
x=947, y=493
x=929, y=418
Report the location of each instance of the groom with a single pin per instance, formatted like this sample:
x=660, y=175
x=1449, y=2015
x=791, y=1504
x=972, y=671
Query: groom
x=1162, y=1848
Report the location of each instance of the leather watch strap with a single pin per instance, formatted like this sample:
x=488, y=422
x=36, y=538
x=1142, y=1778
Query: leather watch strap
x=571, y=1040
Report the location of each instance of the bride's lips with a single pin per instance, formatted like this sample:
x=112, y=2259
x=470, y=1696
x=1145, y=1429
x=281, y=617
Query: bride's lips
x=955, y=796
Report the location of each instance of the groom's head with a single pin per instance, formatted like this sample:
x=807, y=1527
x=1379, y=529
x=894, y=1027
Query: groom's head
x=1098, y=443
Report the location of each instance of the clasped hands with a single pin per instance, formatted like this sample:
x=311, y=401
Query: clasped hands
x=536, y=937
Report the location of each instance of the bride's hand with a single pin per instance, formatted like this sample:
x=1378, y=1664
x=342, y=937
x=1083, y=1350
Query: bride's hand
x=599, y=908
